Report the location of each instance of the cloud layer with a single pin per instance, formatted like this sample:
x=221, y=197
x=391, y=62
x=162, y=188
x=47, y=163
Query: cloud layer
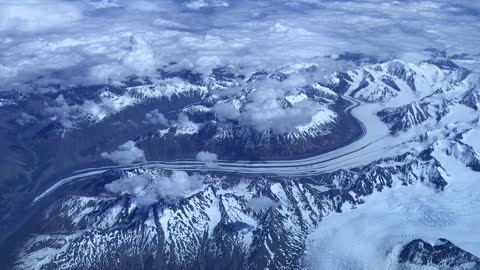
x=206, y=156
x=266, y=111
x=147, y=188
x=262, y=203
x=155, y=118
x=266, y=107
x=86, y=42
x=126, y=153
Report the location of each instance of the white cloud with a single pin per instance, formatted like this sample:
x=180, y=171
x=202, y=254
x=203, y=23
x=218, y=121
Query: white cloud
x=267, y=111
x=206, y=156
x=138, y=59
x=262, y=203
x=26, y=119
x=184, y=126
x=155, y=118
x=86, y=42
x=168, y=24
x=198, y=4
x=226, y=111
x=266, y=107
x=148, y=188
x=126, y=153
x=144, y=6
x=140, y=56
x=34, y=15
x=104, y=73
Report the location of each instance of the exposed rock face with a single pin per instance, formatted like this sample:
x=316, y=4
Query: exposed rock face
x=235, y=220
x=97, y=230
x=442, y=254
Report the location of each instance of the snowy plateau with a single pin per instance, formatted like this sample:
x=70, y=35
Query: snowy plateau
x=400, y=193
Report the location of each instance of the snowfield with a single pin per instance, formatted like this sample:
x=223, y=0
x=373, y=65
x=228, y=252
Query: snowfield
x=408, y=82
x=370, y=237
x=355, y=207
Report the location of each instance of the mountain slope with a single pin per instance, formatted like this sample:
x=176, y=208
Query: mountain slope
x=151, y=218
x=442, y=254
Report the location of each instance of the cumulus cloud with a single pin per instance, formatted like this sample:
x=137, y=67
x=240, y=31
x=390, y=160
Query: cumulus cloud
x=140, y=56
x=126, y=153
x=206, y=156
x=262, y=203
x=198, y=4
x=226, y=111
x=26, y=119
x=185, y=126
x=35, y=16
x=266, y=107
x=155, y=117
x=268, y=111
x=139, y=59
x=147, y=188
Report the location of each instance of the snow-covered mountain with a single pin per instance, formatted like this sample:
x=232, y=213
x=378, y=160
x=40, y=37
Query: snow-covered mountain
x=421, y=186
x=441, y=253
x=248, y=222
x=252, y=111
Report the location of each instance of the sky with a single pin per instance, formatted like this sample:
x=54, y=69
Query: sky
x=83, y=42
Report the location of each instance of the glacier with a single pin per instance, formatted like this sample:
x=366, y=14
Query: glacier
x=356, y=207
